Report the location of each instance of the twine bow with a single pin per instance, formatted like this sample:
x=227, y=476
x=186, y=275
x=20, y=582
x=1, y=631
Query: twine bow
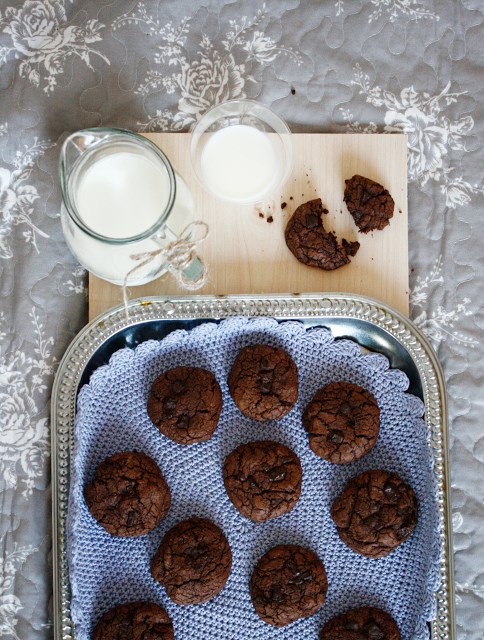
x=177, y=255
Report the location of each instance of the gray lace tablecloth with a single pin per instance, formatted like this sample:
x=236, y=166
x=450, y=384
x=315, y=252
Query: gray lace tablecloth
x=324, y=65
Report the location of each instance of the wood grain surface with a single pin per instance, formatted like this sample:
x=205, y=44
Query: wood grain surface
x=247, y=254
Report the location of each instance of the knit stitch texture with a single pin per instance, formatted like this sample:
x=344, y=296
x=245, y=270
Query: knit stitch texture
x=107, y=570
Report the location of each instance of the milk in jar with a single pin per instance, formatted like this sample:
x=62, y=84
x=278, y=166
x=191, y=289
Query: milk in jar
x=122, y=194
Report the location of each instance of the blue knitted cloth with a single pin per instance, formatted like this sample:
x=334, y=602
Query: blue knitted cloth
x=107, y=570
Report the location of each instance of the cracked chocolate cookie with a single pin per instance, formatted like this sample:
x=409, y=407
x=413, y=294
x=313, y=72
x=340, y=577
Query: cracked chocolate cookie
x=343, y=422
x=369, y=203
x=185, y=404
x=363, y=623
x=375, y=513
x=263, y=479
x=288, y=583
x=263, y=382
x=193, y=561
x=311, y=244
x=134, y=621
x=128, y=495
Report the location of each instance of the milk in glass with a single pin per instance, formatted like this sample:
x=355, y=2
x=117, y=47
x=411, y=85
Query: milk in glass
x=239, y=163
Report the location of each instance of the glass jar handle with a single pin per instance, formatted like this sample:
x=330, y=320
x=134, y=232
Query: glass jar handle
x=75, y=145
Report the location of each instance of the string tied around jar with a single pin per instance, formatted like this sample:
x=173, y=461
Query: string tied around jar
x=177, y=255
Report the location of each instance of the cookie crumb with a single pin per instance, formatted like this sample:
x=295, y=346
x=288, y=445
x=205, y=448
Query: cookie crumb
x=283, y=205
x=270, y=219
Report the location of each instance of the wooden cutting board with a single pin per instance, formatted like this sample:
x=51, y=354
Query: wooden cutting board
x=246, y=251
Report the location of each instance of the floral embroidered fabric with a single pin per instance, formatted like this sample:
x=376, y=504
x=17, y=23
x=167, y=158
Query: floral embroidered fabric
x=150, y=65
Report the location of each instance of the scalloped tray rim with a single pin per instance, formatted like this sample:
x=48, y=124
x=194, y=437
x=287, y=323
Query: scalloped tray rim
x=281, y=306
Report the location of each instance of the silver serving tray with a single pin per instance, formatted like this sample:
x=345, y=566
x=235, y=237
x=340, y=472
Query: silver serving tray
x=370, y=323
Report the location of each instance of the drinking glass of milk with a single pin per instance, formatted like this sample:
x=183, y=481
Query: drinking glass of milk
x=241, y=151
x=123, y=202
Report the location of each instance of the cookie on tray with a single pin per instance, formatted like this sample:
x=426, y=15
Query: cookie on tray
x=128, y=495
x=311, y=244
x=369, y=203
x=263, y=382
x=343, y=422
x=185, y=404
x=288, y=583
x=134, y=621
x=193, y=561
x=263, y=479
x=362, y=623
x=375, y=513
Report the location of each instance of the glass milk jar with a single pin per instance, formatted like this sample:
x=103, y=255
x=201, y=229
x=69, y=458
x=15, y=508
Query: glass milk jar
x=122, y=203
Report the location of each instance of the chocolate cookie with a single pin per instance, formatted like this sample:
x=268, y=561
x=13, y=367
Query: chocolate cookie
x=185, y=404
x=263, y=479
x=375, y=513
x=193, y=561
x=369, y=203
x=343, y=422
x=288, y=583
x=263, y=382
x=311, y=244
x=364, y=623
x=129, y=495
x=134, y=621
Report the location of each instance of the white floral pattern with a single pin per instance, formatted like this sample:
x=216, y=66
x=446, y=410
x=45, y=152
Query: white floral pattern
x=10, y=563
x=43, y=41
x=431, y=133
x=439, y=323
x=467, y=589
x=76, y=284
x=217, y=74
x=24, y=379
x=394, y=9
x=46, y=50
x=17, y=197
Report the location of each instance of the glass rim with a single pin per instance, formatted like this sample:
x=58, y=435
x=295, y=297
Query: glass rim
x=71, y=208
x=242, y=101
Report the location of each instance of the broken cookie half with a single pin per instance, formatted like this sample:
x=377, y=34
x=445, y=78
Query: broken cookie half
x=370, y=204
x=309, y=241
